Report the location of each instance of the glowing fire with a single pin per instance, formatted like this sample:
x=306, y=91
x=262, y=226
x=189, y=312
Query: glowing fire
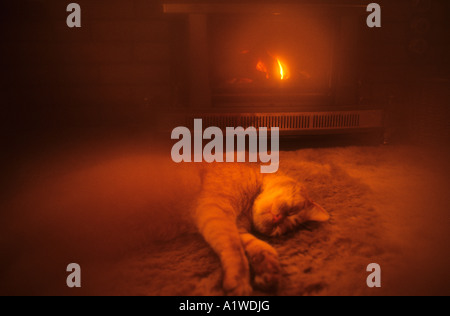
x=280, y=65
x=279, y=71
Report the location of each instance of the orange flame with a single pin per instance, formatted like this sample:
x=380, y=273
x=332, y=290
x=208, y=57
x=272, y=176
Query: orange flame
x=279, y=72
x=283, y=73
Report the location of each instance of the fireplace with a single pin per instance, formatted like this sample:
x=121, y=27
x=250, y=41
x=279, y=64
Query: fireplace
x=280, y=61
x=284, y=65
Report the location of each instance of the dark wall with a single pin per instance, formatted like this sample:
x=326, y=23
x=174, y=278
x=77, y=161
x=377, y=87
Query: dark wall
x=112, y=70
x=404, y=67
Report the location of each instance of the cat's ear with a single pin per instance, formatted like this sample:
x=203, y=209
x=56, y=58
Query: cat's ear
x=317, y=214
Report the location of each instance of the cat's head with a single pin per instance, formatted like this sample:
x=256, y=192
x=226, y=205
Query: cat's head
x=283, y=205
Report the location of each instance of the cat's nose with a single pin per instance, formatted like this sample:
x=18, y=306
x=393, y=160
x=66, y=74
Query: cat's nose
x=277, y=218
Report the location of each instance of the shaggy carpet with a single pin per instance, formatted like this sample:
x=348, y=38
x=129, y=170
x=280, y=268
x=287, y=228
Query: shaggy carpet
x=388, y=205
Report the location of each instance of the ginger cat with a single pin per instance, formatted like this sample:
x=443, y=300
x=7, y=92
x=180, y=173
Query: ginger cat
x=236, y=200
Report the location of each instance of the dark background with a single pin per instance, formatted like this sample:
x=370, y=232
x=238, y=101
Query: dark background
x=123, y=69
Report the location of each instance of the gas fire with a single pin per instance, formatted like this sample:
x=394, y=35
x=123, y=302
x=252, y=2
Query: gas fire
x=280, y=70
x=283, y=75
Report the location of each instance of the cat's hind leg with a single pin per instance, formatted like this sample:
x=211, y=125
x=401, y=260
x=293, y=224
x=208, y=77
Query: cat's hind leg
x=264, y=262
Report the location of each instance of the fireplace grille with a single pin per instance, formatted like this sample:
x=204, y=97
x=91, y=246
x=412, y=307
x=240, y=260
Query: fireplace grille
x=303, y=121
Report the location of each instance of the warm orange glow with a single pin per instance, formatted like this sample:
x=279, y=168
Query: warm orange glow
x=262, y=68
x=279, y=71
x=283, y=70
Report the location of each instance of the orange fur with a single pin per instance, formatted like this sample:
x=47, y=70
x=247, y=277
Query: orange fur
x=236, y=199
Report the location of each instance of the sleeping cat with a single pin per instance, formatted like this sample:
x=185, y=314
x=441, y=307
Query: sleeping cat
x=236, y=200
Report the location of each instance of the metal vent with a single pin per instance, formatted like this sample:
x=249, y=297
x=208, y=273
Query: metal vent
x=336, y=121
x=294, y=121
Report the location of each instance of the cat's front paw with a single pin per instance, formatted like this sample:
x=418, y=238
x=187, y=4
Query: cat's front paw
x=237, y=287
x=266, y=269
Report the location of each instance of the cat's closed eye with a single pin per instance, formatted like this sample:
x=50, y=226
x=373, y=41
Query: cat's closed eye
x=291, y=211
